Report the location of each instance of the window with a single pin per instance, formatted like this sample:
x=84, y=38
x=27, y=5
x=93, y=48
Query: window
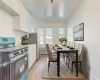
x=41, y=35
x=49, y=35
x=61, y=32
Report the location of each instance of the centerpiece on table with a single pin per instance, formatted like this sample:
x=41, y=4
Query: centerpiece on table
x=63, y=41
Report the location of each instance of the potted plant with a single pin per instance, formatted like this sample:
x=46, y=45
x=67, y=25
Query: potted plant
x=63, y=41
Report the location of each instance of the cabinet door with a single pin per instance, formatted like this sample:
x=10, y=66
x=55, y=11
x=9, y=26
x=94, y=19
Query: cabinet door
x=23, y=18
x=32, y=55
x=6, y=2
x=32, y=25
x=29, y=21
x=32, y=30
x=15, y=5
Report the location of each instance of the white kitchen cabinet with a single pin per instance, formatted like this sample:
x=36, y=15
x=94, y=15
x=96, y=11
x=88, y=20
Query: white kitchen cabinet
x=21, y=22
x=32, y=30
x=15, y=5
x=6, y=5
x=31, y=55
x=6, y=2
x=25, y=22
x=24, y=18
x=32, y=24
x=29, y=20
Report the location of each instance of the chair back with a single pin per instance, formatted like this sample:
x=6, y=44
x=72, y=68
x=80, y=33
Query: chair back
x=49, y=53
x=71, y=44
x=51, y=47
x=68, y=43
x=80, y=51
x=75, y=45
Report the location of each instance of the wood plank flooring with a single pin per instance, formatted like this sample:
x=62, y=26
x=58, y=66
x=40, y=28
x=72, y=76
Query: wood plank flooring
x=36, y=70
x=39, y=72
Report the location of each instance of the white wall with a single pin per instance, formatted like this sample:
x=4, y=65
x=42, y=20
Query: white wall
x=6, y=28
x=89, y=13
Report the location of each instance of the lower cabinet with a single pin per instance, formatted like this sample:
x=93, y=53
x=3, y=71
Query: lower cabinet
x=31, y=55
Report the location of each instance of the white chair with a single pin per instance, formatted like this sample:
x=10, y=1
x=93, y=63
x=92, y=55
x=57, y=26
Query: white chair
x=73, y=57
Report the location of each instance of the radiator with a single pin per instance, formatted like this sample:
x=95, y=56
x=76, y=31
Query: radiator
x=42, y=49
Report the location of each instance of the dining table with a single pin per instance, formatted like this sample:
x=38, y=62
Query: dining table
x=65, y=50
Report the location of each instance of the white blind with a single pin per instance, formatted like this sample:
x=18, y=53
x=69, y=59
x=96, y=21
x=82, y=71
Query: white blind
x=61, y=32
x=50, y=35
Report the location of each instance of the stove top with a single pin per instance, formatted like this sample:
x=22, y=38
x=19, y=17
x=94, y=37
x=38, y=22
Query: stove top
x=16, y=48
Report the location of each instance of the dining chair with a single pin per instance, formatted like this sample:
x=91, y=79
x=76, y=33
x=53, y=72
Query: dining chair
x=72, y=44
x=54, y=53
x=67, y=55
x=80, y=56
x=68, y=43
x=51, y=58
x=76, y=45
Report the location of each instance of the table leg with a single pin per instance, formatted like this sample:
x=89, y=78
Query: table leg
x=76, y=63
x=58, y=64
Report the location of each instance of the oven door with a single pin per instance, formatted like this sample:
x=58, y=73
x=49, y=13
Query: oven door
x=4, y=67
x=18, y=68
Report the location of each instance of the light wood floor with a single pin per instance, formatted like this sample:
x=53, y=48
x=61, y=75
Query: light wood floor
x=39, y=72
x=36, y=70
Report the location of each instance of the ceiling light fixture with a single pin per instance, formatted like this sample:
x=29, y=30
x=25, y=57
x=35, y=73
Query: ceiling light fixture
x=51, y=1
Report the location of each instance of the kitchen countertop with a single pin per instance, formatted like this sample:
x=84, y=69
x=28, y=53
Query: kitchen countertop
x=14, y=48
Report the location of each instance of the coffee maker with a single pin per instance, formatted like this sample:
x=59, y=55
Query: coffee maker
x=25, y=40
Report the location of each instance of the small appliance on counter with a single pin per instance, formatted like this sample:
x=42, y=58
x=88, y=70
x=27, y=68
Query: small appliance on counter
x=13, y=60
x=25, y=40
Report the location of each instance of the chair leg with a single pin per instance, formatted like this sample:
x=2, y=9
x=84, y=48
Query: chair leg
x=72, y=68
x=67, y=60
x=81, y=67
x=68, y=64
x=48, y=65
x=63, y=56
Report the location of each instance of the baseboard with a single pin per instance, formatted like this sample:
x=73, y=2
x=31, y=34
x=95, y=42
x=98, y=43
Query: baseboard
x=93, y=77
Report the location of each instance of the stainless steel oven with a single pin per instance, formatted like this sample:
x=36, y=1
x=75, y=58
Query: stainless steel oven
x=4, y=66
x=18, y=66
x=13, y=60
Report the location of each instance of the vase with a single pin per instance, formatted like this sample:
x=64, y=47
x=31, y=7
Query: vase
x=64, y=43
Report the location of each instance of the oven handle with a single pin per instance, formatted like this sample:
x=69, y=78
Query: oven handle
x=17, y=58
x=4, y=64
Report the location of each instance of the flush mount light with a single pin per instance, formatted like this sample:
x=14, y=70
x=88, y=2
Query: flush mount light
x=51, y=1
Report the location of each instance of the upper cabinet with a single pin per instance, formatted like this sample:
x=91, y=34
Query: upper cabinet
x=20, y=22
x=31, y=24
x=6, y=2
x=15, y=5
x=8, y=6
x=24, y=18
x=24, y=21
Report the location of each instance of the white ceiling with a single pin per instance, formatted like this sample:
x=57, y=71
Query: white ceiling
x=43, y=10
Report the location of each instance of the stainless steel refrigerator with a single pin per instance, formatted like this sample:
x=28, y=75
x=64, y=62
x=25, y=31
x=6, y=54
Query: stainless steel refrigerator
x=33, y=39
